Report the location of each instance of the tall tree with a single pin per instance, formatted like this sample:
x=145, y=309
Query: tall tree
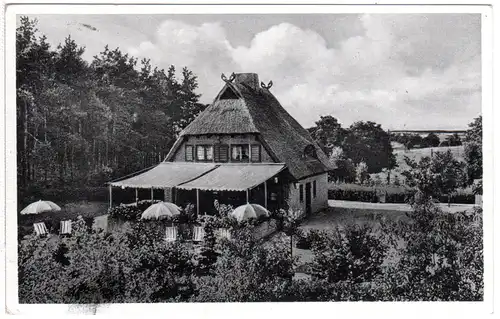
x=328, y=133
x=440, y=175
x=473, y=150
x=368, y=142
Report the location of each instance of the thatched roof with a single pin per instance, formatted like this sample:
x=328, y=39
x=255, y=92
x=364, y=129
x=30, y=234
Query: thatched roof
x=256, y=110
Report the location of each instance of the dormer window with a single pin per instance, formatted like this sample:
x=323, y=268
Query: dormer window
x=310, y=152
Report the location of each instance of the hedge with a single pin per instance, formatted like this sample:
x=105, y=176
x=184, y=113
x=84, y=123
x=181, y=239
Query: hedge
x=393, y=194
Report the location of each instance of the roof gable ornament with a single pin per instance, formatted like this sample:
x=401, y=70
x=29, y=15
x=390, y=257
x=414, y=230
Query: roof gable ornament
x=268, y=86
x=231, y=78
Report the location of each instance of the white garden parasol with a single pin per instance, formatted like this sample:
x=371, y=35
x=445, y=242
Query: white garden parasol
x=40, y=207
x=248, y=211
x=161, y=210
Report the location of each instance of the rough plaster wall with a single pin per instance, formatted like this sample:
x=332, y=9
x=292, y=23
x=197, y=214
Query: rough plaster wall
x=317, y=203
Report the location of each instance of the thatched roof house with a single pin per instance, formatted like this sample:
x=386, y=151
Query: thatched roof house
x=255, y=110
x=245, y=126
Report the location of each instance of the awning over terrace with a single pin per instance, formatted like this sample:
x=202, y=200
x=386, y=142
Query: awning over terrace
x=166, y=174
x=234, y=177
x=203, y=176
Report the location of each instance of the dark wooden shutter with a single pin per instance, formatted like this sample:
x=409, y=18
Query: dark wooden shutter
x=255, y=152
x=223, y=152
x=301, y=193
x=217, y=153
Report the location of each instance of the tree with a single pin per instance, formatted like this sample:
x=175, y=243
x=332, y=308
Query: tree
x=345, y=170
x=413, y=140
x=473, y=150
x=440, y=175
x=431, y=140
x=368, y=142
x=328, y=133
x=85, y=122
x=454, y=140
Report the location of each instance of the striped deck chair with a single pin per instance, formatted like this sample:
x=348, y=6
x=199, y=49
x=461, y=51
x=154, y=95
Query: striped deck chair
x=170, y=234
x=198, y=233
x=223, y=233
x=40, y=229
x=65, y=228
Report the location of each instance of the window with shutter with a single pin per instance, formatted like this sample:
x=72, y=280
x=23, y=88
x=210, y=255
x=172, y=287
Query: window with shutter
x=314, y=189
x=189, y=153
x=255, y=152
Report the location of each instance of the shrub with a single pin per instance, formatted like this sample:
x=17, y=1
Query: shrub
x=393, y=194
x=443, y=253
x=123, y=212
x=351, y=253
x=352, y=192
x=94, y=267
x=461, y=196
x=307, y=239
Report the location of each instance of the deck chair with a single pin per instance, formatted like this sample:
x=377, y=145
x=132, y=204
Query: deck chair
x=170, y=234
x=40, y=229
x=198, y=233
x=65, y=228
x=223, y=233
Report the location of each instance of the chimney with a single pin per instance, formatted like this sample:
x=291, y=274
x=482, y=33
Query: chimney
x=248, y=79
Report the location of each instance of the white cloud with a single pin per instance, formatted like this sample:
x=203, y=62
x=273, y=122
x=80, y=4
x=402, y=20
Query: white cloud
x=405, y=71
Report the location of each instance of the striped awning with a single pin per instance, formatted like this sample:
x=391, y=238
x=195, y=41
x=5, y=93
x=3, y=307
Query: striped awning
x=166, y=174
x=234, y=177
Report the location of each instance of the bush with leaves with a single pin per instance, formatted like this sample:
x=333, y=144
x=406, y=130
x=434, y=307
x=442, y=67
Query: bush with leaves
x=443, y=253
x=123, y=212
x=440, y=175
x=353, y=253
x=95, y=267
x=246, y=270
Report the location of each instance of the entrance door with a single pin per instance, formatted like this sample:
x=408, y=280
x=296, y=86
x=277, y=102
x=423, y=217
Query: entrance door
x=308, y=198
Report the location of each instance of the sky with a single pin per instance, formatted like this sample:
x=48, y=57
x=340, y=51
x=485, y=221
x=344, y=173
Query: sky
x=403, y=71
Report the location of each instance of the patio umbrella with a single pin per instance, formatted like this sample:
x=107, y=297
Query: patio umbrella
x=161, y=210
x=249, y=211
x=40, y=207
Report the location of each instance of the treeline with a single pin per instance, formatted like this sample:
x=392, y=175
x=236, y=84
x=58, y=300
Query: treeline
x=83, y=123
x=431, y=140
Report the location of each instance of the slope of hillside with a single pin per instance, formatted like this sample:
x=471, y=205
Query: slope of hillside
x=417, y=154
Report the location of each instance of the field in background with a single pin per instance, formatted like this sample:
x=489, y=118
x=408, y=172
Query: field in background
x=417, y=154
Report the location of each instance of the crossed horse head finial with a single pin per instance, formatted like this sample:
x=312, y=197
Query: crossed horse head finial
x=268, y=86
x=231, y=78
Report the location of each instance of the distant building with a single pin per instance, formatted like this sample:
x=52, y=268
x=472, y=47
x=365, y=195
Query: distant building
x=245, y=147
